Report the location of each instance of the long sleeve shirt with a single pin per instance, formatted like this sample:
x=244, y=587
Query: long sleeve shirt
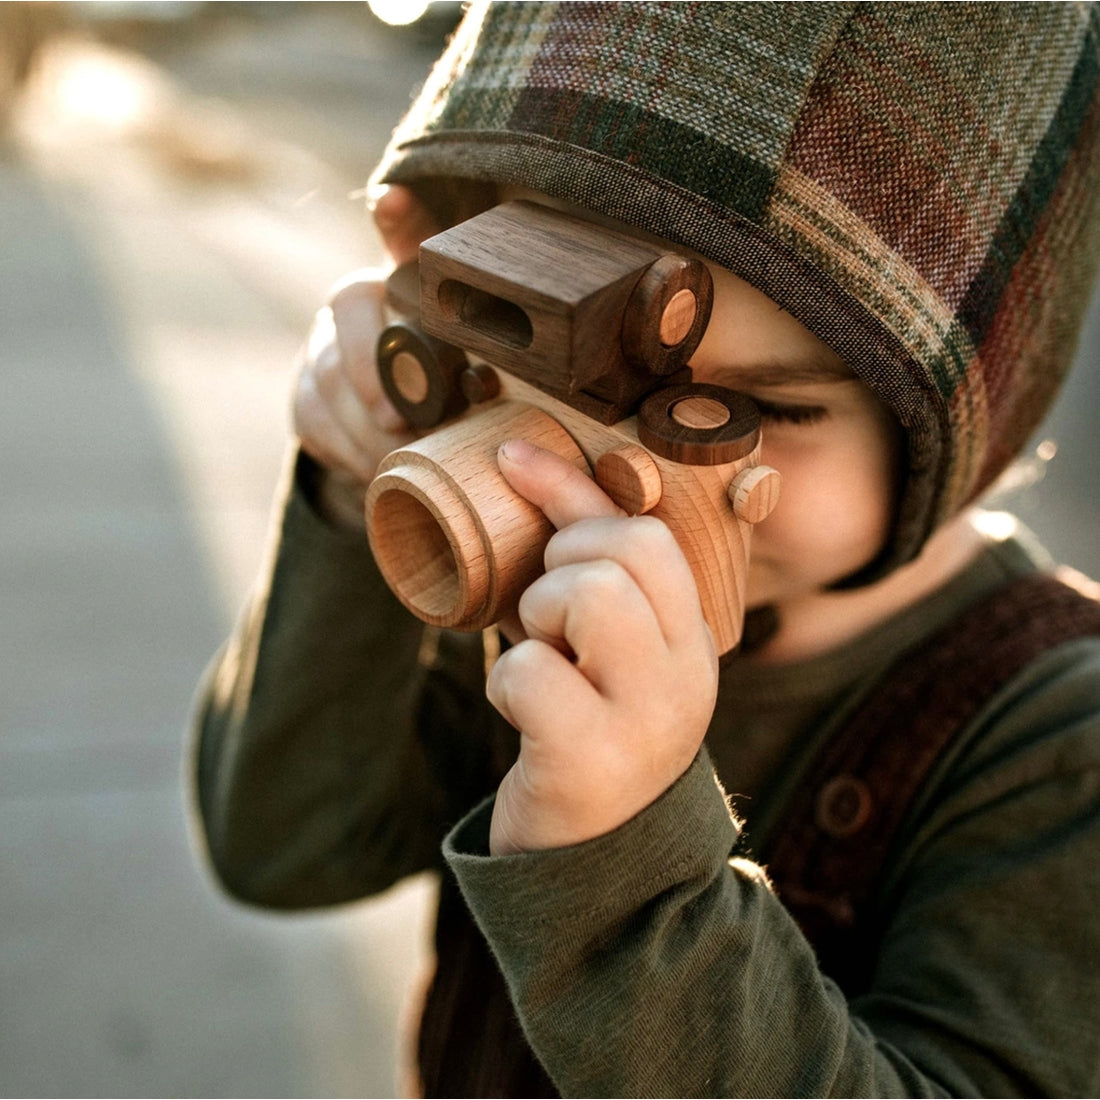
x=337, y=750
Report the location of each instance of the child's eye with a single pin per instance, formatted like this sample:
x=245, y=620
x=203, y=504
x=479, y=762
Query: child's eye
x=789, y=414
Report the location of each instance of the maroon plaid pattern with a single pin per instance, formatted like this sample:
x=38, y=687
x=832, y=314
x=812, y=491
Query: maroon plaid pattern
x=915, y=182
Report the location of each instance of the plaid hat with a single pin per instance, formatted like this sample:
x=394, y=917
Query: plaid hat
x=915, y=183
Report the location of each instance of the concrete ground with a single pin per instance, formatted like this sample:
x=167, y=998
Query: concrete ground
x=168, y=222
x=164, y=239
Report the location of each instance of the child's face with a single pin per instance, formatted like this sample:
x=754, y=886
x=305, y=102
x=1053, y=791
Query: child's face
x=834, y=443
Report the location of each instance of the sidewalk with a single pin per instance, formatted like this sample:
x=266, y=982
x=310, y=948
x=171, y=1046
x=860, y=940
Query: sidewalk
x=150, y=317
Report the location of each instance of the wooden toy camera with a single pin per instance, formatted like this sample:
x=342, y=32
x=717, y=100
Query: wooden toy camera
x=524, y=322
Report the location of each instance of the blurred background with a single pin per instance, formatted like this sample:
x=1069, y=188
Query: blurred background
x=180, y=183
x=179, y=186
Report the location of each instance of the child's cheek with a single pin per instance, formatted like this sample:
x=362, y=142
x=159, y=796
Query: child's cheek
x=833, y=512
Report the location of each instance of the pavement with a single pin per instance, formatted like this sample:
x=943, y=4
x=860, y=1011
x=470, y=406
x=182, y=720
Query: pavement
x=165, y=240
x=170, y=216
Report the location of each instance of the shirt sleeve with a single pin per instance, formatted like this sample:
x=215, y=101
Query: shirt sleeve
x=329, y=760
x=648, y=963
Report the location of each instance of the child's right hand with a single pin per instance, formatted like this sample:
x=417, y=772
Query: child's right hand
x=340, y=413
x=614, y=685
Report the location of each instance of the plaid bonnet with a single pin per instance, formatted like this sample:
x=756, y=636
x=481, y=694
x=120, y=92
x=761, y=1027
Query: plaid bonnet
x=915, y=182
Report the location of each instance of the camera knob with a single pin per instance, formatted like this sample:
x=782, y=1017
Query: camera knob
x=420, y=375
x=699, y=424
x=667, y=314
x=630, y=478
x=754, y=493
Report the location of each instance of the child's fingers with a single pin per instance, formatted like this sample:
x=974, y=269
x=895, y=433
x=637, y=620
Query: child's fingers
x=403, y=222
x=646, y=551
x=564, y=493
x=594, y=613
x=539, y=691
x=327, y=372
x=590, y=760
x=591, y=526
x=322, y=435
x=556, y=793
x=356, y=312
x=335, y=422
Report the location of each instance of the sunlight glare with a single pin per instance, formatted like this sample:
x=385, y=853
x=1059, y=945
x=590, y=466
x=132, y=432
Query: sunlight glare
x=96, y=89
x=398, y=13
x=997, y=526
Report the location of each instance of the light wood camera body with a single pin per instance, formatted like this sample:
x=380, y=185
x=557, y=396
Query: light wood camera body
x=459, y=546
x=588, y=331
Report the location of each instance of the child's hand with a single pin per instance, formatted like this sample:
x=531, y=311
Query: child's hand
x=341, y=414
x=614, y=687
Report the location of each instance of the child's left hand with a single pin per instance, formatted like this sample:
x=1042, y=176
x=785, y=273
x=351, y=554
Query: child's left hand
x=613, y=688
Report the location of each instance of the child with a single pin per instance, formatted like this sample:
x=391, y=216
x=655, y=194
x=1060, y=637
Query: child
x=898, y=205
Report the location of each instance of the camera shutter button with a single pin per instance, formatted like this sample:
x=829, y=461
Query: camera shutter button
x=699, y=424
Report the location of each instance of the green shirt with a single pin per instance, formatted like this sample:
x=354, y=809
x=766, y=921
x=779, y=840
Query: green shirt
x=337, y=749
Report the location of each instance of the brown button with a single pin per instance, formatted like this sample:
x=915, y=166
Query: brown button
x=844, y=805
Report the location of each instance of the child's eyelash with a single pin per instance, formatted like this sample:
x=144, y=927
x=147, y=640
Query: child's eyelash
x=790, y=414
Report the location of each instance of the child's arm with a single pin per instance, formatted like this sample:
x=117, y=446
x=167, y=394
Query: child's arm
x=312, y=783
x=642, y=961
x=309, y=784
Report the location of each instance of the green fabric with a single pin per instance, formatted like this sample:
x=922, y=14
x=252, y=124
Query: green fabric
x=916, y=183
x=658, y=945
x=296, y=804
x=642, y=963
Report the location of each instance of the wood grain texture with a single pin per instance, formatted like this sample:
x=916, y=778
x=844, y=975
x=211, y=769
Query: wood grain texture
x=479, y=383
x=403, y=292
x=630, y=478
x=456, y=544
x=700, y=424
x=668, y=311
x=460, y=551
x=420, y=375
x=755, y=493
x=678, y=318
x=580, y=310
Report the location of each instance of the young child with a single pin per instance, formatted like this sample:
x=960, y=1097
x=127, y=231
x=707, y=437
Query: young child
x=898, y=205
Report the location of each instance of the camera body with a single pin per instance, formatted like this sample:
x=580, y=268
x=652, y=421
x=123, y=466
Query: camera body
x=524, y=322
